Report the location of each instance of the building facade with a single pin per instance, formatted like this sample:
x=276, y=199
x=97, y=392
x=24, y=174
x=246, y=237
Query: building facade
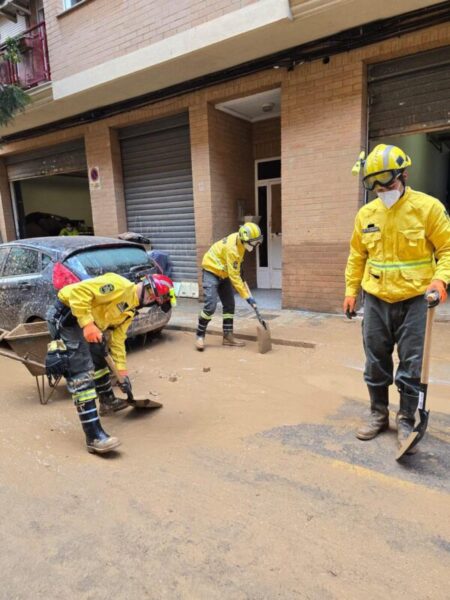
x=178, y=120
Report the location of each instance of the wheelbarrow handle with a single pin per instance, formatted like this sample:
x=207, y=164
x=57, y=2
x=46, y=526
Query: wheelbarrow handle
x=25, y=361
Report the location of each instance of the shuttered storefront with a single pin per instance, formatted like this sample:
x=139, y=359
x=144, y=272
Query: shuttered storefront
x=63, y=158
x=157, y=174
x=410, y=94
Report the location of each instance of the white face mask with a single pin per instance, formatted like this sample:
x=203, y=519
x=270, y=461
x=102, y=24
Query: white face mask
x=248, y=247
x=389, y=198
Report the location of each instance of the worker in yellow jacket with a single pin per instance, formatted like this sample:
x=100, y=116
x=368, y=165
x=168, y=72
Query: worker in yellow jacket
x=399, y=250
x=221, y=273
x=69, y=229
x=81, y=316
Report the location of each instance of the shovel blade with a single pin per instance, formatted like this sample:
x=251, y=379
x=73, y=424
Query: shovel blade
x=264, y=339
x=415, y=436
x=145, y=403
x=409, y=443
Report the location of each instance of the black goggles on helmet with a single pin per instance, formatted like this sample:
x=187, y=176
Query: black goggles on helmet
x=383, y=178
x=255, y=243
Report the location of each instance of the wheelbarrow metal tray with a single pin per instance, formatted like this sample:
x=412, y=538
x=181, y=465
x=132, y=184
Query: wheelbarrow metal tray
x=29, y=341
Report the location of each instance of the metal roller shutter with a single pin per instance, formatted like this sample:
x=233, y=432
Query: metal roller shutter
x=409, y=94
x=63, y=158
x=157, y=175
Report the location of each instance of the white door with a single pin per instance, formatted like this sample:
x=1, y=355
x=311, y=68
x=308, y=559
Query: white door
x=268, y=207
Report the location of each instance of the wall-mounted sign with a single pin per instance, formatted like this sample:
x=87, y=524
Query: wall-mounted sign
x=94, y=178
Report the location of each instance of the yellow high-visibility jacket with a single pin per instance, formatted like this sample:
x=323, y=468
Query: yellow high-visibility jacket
x=109, y=301
x=224, y=259
x=393, y=252
x=65, y=231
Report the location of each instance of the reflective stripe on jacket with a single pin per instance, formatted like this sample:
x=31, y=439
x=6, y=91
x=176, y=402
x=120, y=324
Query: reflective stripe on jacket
x=224, y=259
x=108, y=300
x=393, y=252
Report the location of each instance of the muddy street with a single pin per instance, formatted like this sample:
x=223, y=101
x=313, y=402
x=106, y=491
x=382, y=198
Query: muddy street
x=248, y=484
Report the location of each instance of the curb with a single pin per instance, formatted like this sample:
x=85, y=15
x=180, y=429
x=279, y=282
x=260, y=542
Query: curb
x=245, y=336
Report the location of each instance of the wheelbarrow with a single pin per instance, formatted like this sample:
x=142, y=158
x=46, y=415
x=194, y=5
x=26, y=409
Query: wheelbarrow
x=28, y=343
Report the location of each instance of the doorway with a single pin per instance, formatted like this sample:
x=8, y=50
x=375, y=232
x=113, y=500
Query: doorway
x=44, y=205
x=49, y=188
x=268, y=208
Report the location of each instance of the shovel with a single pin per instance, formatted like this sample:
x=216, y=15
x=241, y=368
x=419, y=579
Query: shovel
x=419, y=430
x=132, y=401
x=262, y=331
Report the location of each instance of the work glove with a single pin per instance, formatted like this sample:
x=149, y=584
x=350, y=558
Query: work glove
x=437, y=286
x=252, y=302
x=125, y=385
x=92, y=333
x=57, y=359
x=350, y=306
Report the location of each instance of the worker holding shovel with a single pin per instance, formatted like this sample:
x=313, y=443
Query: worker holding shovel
x=78, y=322
x=221, y=272
x=396, y=243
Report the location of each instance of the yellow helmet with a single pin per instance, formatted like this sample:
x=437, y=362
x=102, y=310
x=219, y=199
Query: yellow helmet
x=384, y=164
x=250, y=232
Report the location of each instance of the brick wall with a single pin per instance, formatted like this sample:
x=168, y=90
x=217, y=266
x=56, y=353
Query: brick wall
x=101, y=30
x=266, y=138
x=322, y=131
x=232, y=185
x=322, y=124
x=201, y=179
x=230, y=147
x=107, y=202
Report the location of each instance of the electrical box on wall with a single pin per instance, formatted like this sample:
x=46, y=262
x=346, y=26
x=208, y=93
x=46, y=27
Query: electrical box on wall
x=186, y=289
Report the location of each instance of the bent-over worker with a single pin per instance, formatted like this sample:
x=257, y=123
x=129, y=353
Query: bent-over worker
x=221, y=273
x=83, y=313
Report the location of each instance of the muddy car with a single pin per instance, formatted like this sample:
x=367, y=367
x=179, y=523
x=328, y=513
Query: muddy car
x=33, y=270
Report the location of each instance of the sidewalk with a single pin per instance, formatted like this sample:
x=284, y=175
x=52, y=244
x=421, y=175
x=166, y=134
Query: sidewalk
x=288, y=327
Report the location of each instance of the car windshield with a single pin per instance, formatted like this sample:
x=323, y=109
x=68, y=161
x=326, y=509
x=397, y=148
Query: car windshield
x=97, y=261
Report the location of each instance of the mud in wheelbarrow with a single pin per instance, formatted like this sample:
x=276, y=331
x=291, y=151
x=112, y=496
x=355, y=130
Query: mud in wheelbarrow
x=28, y=343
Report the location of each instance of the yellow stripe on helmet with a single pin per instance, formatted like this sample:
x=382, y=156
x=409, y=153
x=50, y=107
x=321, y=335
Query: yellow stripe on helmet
x=249, y=231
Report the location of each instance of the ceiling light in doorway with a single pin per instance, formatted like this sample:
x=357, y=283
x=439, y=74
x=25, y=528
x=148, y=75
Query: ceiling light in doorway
x=268, y=107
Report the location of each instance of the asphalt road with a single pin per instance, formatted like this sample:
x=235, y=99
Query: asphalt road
x=247, y=484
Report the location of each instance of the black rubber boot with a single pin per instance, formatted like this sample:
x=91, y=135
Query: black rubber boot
x=378, y=419
x=405, y=419
x=109, y=404
x=97, y=440
x=204, y=320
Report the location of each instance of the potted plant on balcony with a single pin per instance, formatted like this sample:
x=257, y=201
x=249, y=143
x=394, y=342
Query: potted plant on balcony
x=12, y=50
x=12, y=98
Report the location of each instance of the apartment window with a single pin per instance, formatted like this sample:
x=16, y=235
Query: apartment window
x=40, y=11
x=70, y=3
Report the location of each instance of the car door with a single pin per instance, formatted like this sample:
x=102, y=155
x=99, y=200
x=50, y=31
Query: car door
x=4, y=251
x=19, y=286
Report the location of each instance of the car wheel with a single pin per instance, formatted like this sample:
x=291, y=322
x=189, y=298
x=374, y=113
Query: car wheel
x=156, y=333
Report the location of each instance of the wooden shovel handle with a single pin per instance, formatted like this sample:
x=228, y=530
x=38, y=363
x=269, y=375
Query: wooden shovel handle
x=425, y=372
x=112, y=366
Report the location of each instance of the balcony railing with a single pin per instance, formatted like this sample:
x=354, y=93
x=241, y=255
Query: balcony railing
x=34, y=67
